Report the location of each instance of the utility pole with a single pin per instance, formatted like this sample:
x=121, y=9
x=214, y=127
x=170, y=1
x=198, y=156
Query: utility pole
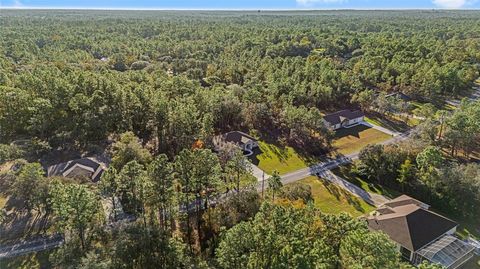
x=263, y=182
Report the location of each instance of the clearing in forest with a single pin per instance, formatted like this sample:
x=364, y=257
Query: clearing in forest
x=350, y=140
x=331, y=199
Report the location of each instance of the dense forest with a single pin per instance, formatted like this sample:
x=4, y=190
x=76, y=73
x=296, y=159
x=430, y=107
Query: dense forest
x=150, y=89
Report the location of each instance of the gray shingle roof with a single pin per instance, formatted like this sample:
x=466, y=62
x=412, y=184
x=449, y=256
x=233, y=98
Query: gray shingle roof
x=338, y=117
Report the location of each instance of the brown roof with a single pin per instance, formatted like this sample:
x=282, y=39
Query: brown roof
x=238, y=137
x=409, y=224
x=338, y=117
x=405, y=200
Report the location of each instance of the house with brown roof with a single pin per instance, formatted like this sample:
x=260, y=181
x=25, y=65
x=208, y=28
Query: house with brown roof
x=419, y=233
x=343, y=119
x=91, y=168
x=242, y=140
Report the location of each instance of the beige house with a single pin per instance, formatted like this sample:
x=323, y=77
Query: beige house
x=242, y=140
x=420, y=234
x=343, y=119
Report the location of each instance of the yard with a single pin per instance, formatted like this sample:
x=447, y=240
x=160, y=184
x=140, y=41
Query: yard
x=271, y=157
x=350, y=140
x=344, y=172
x=333, y=200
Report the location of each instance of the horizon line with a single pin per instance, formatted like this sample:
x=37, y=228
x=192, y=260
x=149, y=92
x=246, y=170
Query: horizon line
x=230, y=9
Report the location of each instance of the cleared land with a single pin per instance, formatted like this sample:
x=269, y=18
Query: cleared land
x=353, y=139
x=272, y=157
x=331, y=199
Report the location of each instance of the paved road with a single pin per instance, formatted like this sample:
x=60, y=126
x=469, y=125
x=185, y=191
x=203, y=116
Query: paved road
x=39, y=244
x=324, y=168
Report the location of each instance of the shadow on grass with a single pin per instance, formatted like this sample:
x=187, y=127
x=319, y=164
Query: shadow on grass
x=340, y=193
x=389, y=123
x=272, y=148
x=344, y=172
x=353, y=131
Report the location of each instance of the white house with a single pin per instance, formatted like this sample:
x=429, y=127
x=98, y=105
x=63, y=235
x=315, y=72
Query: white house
x=90, y=168
x=420, y=234
x=343, y=118
x=242, y=140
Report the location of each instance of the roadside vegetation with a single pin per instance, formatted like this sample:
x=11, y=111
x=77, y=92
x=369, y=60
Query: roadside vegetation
x=149, y=90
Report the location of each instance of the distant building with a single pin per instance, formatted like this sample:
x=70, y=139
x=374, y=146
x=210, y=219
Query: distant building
x=343, y=119
x=90, y=168
x=242, y=140
x=420, y=234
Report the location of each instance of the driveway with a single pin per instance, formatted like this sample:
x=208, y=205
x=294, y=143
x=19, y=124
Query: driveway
x=25, y=247
x=381, y=129
x=258, y=173
x=323, y=168
x=371, y=198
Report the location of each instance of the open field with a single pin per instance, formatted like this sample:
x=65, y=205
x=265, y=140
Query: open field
x=270, y=157
x=353, y=139
x=331, y=199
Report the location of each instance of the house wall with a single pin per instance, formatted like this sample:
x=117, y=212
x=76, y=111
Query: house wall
x=452, y=231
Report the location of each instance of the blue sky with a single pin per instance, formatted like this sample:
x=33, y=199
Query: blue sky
x=243, y=4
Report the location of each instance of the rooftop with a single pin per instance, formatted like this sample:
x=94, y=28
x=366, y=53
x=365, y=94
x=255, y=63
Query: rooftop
x=408, y=222
x=89, y=167
x=339, y=116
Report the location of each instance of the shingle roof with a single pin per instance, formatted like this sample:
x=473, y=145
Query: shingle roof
x=410, y=225
x=238, y=137
x=90, y=166
x=338, y=117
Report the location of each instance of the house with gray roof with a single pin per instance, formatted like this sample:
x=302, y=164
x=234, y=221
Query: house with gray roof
x=343, y=119
x=242, y=140
x=420, y=234
x=89, y=167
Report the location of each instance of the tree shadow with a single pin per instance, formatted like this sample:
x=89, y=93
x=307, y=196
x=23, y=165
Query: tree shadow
x=389, y=123
x=341, y=193
x=353, y=131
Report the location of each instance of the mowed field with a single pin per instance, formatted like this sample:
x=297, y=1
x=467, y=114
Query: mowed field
x=331, y=199
x=350, y=140
x=271, y=157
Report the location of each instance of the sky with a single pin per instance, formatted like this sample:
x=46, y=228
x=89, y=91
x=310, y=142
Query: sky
x=244, y=4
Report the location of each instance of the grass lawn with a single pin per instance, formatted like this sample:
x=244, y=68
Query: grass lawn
x=349, y=140
x=271, y=157
x=331, y=199
x=344, y=172
x=389, y=123
x=32, y=260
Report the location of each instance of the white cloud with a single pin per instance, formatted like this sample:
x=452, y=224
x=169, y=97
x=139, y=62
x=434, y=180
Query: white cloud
x=17, y=3
x=313, y=2
x=453, y=3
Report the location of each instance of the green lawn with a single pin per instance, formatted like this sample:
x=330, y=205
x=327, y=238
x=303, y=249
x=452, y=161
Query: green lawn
x=349, y=140
x=331, y=199
x=283, y=159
